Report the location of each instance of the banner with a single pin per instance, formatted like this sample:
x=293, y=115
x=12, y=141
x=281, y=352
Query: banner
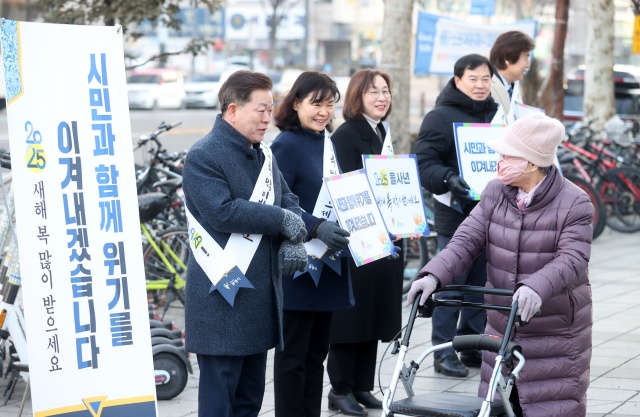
x=478, y=164
x=396, y=187
x=440, y=41
x=358, y=213
x=80, y=252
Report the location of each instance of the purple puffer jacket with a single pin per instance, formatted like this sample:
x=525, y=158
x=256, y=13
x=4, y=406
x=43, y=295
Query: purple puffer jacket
x=547, y=247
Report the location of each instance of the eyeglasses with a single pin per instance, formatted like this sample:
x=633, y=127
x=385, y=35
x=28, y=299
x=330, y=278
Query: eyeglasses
x=376, y=93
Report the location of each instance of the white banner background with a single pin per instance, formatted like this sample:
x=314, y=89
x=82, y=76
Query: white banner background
x=55, y=63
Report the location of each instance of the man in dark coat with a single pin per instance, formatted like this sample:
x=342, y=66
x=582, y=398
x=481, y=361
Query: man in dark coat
x=221, y=177
x=465, y=99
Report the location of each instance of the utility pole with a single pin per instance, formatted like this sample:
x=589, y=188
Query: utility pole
x=553, y=93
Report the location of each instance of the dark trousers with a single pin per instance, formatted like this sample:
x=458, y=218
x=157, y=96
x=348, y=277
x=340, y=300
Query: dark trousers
x=448, y=322
x=352, y=366
x=298, y=370
x=231, y=386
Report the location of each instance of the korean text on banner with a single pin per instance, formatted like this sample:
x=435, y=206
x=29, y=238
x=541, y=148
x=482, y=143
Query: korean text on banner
x=396, y=187
x=358, y=213
x=478, y=164
x=89, y=345
x=440, y=41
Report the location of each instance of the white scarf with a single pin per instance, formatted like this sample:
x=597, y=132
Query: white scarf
x=226, y=267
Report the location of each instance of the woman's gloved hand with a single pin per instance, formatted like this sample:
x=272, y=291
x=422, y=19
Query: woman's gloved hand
x=529, y=302
x=293, y=227
x=332, y=235
x=427, y=285
x=292, y=257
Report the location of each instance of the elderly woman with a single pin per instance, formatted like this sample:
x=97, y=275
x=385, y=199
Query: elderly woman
x=536, y=228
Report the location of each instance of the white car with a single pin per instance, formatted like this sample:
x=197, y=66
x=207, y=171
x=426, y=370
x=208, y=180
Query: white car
x=157, y=88
x=202, y=91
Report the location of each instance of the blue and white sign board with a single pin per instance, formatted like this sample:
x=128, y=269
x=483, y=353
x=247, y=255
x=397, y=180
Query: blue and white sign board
x=358, y=213
x=396, y=187
x=84, y=293
x=483, y=7
x=478, y=164
x=441, y=41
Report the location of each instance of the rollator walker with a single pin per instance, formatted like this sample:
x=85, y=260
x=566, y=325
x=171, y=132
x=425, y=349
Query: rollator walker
x=450, y=404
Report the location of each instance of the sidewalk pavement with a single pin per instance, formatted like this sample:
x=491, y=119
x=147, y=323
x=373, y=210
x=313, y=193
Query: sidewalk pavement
x=615, y=366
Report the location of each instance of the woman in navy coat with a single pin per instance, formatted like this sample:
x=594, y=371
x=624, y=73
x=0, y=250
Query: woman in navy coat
x=305, y=155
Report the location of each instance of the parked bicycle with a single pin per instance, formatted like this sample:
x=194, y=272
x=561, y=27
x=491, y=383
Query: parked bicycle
x=162, y=171
x=165, y=254
x=616, y=183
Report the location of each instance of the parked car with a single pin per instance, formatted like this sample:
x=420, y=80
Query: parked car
x=626, y=80
x=202, y=91
x=156, y=88
x=281, y=89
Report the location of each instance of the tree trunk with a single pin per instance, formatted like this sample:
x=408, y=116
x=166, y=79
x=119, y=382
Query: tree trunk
x=599, y=103
x=396, y=61
x=553, y=94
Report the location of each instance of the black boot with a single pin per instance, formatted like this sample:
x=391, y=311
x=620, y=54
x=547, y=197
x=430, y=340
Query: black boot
x=450, y=365
x=346, y=403
x=471, y=358
x=367, y=399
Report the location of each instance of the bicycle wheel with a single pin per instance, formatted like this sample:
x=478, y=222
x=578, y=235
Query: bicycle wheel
x=619, y=190
x=173, y=242
x=416, y=254
x=599, y=214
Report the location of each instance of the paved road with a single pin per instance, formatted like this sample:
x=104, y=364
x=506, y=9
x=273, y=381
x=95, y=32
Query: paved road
x=615, y=366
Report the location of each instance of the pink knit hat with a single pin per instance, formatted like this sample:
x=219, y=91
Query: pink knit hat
x=535, y=137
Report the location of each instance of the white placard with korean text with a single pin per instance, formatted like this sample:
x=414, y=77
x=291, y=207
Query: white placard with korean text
x=358, y=213
x=478, y=164
x=89, y=345
x=396, y=187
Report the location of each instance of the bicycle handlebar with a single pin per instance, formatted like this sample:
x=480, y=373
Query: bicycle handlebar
x=163, y=127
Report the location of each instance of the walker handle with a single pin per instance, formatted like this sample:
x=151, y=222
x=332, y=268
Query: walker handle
x=483, y=342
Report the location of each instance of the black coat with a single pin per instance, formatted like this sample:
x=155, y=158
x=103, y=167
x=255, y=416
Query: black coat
x=436, y=149
x=377, y=286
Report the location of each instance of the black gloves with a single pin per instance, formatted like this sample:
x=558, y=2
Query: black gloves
x=333, y=235
x=292, y=257
x=293, y=227
x=457, y=185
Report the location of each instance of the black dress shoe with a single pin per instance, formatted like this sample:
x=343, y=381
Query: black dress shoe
x=367, y=399
x=346, y=403
x=450, y=365
x=471, y=358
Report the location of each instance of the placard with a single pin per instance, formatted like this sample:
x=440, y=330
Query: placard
x=395, y=183
x=358, y=213
x=89, y=345
x=478, y=164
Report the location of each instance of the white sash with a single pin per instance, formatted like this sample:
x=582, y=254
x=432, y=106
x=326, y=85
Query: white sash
x=240, y=249
x=387, y=146
x=324, y=207
x=500, y=117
